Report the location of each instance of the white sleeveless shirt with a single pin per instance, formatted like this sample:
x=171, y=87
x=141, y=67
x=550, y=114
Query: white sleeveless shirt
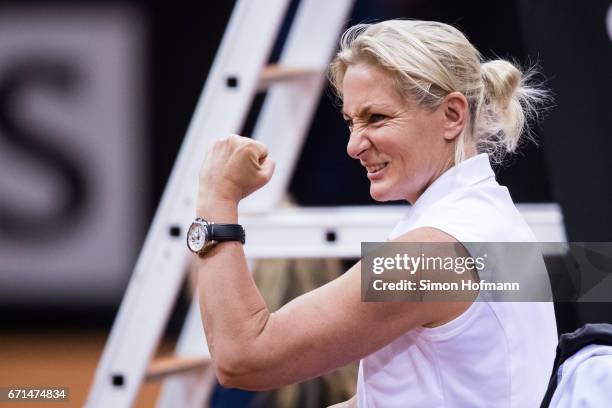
x=496, y=354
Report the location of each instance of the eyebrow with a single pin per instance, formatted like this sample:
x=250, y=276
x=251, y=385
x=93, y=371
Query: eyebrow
x=367, y=109
x=362, y=112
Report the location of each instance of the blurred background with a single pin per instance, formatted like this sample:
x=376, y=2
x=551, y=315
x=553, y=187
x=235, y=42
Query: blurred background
x=96, y=96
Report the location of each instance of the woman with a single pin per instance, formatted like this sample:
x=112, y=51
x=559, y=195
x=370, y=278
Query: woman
x=425, y=116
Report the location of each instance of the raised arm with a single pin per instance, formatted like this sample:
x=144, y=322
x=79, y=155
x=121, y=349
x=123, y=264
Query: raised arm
x=315, y=333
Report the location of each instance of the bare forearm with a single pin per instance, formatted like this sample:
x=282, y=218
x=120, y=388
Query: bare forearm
x=233, y=311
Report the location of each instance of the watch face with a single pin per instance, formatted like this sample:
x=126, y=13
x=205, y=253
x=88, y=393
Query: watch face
x=196, y=237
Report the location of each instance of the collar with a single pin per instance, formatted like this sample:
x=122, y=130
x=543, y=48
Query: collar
x=467, y=173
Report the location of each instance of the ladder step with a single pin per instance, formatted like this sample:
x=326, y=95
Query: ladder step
x=166, y=366
x=275, y=73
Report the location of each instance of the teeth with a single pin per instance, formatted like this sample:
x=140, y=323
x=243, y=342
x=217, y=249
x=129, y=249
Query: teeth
x=375, y=168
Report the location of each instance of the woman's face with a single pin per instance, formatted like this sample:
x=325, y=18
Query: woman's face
x=401, y=146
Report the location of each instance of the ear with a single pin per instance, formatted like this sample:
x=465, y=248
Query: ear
x=455, y=111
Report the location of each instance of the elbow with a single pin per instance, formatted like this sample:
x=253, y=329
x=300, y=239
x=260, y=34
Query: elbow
x=246, y=363
x=241, y=370
x=229, y=372
x=234, y=370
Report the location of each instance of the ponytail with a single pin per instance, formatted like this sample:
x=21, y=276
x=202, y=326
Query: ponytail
x=509, y=102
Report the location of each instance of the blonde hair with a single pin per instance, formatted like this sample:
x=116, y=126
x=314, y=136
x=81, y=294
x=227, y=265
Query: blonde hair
x=427, y=60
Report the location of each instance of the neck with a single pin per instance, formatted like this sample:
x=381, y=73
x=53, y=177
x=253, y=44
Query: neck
x=447, y=163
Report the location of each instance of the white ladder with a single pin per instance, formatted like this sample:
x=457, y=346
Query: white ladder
x=237, y=74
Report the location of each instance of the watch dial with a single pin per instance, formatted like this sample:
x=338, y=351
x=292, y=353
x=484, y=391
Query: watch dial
x=196, y=237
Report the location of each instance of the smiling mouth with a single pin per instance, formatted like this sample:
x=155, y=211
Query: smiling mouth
x=376, y=168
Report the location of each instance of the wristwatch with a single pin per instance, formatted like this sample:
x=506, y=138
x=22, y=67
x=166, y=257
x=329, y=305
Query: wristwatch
x=205, y=235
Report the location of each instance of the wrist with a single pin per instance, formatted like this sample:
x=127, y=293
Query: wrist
x=218, y=210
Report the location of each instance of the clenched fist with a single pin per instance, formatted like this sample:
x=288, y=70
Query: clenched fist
x=234, y=168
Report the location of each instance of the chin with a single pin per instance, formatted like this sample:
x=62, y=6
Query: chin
x=380, y=194
x=383, y=192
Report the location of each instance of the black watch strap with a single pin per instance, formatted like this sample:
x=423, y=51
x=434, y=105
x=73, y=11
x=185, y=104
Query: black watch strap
x=227, y=232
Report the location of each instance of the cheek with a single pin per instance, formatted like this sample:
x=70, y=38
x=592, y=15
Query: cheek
x=389, y=141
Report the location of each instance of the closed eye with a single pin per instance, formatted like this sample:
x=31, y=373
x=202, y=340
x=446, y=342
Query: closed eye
x=376, y=118
x=373, y=119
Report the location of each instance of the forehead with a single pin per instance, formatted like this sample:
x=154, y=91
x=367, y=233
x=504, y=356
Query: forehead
x=365, y=87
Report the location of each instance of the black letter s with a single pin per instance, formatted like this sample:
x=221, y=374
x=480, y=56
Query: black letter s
x=15, y=222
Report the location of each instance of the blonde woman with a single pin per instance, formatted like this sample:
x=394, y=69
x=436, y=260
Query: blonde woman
x=426, y=115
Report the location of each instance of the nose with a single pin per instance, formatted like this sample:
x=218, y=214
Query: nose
x=357, y=144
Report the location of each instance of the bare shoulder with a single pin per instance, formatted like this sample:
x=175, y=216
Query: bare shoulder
x=445, y=310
